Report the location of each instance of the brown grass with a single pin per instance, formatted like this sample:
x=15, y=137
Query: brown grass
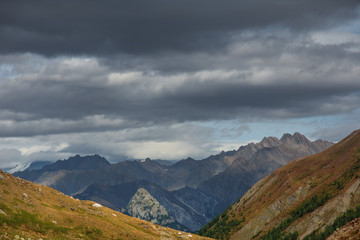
x=35, y=212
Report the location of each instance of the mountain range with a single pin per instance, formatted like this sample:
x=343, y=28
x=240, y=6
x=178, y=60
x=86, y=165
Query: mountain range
x=191, y=191
x=308, y=198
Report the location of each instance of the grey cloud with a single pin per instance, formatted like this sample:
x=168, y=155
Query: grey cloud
x=14, y=128
x=122, y=144
x=261, y=75
x=301, y=80
x=234, y=132
x=143, y=27
x=335, y=133
x=338, y=128
x=256, y=48
x=9, y=157
x=191, y=102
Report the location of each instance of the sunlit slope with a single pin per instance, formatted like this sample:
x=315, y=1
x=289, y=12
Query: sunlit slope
x=28, y=210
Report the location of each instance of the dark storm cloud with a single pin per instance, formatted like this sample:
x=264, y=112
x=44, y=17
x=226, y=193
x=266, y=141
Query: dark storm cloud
x=132, y=26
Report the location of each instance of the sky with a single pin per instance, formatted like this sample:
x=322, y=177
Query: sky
x=170, y=79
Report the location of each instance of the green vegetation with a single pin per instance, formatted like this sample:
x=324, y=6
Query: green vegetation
x=93, y=233
x=220, y=227
x=6, y=192
x=57, y=207
x=277, y=233
x=310, y=205
x=90, y=233
x=348, y=216
x=31, y=221
x=347, y=175
x=307, y=206
x=45, y=205
x=4, y=183
x=5, y=208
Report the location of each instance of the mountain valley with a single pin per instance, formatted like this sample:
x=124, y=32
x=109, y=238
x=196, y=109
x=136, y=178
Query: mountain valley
x=191, y=191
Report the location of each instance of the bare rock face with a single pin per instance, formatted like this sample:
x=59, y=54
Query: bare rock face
x=143, y=205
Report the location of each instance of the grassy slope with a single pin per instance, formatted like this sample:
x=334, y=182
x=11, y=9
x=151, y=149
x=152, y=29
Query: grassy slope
x=281, y=196
x=39, y=212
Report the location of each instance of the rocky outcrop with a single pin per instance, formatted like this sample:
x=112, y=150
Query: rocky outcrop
x=144, y=206
x=351, y=231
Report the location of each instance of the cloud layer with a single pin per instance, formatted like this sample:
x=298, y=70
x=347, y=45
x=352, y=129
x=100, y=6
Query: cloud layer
x=134, y=79
x=63, y=95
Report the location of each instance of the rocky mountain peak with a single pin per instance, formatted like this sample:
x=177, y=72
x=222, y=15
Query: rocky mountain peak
x=297, y=138
x=270, y=142
x=285, y=137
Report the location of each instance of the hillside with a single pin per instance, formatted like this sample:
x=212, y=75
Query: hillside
x=306, y=196
x=28, y=210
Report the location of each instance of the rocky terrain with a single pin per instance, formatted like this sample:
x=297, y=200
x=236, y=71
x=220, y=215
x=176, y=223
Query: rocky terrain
x=30, y=211
x=351, y=231
x=144, y=206
x=305, y=199
x=192, y=191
